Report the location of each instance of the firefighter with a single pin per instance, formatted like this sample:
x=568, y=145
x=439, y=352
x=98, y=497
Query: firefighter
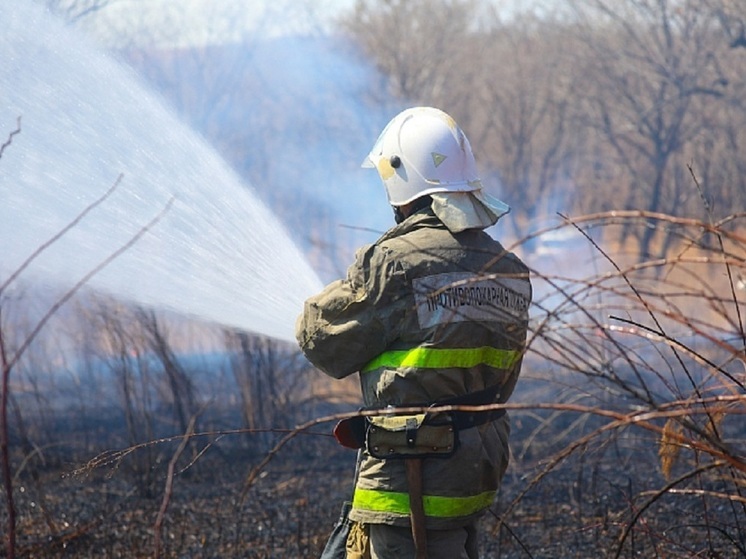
x=433, y=313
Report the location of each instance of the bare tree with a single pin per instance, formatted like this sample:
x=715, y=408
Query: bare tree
x=181, y=388
x=523, y=117
x=121, y=348
x=415, y=43
x=270, y=381
x=732, y=16
x=76, y=10
x=651, y=68
x=507, y=84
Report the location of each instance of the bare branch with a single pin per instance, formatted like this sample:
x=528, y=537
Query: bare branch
x=168, y=491
x=34, y=255
x=10, y=137
x=83, y=281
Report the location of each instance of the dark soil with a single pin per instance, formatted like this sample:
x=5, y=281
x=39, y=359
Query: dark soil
x=582, y=508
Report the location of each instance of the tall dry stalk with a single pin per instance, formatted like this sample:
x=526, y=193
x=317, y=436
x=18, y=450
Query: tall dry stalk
x=662, y=338
x=9, y=360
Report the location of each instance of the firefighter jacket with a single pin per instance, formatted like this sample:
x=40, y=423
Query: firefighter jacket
x=425, y=315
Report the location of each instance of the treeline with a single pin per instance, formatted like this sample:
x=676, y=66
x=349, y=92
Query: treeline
x=581, y=106
x=578, y=107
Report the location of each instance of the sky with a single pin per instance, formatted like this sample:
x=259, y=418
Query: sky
x=190, y=22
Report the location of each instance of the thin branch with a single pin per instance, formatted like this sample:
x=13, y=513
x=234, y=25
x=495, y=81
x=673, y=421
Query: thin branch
x=641, y=419
x=503, y=524
x=680, y=345
x=34, y=255
x=657, y=495
x=168, y=491
x=728, y=269
x=84, y=280
x=5, y=448
x=10, y=137
x=9, y=363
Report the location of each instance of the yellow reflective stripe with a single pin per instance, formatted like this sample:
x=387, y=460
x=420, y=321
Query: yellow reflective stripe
x=433, y=358
x=435, y=506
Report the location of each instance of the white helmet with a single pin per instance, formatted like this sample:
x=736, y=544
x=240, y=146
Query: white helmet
x=423, y=151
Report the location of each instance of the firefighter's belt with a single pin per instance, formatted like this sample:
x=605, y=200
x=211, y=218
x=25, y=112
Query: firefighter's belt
x=440, y=430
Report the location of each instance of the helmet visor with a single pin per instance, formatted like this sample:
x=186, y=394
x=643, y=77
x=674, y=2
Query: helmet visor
x=371, y=160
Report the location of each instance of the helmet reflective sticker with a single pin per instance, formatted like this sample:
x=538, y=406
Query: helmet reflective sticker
x=385, y=169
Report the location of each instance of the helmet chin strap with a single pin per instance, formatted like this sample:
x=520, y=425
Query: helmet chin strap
x=398, y=214
x=403, y=212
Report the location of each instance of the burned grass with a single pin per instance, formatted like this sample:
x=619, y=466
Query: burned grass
x=608, y=498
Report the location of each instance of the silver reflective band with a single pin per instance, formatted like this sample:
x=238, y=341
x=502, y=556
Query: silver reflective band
x=463, y=296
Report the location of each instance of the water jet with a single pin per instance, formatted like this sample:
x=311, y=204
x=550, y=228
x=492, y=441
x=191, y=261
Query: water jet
x=217, y=254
